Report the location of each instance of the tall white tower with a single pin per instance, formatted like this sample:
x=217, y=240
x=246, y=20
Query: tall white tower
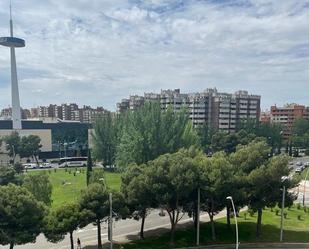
x=12, y=43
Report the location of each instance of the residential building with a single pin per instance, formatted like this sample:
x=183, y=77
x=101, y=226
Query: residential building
x=70, y=112
x=287, y=115
x=221, y=111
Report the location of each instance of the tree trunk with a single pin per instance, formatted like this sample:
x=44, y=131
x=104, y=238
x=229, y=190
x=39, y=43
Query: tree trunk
x=71, y=240
x=259, y=223
x=194, y=215
x=36, y=160
x=213, y=230
x=173, y=235
x=143, y=224
x=228, y=217
x=173, y=226
x=99, y=234
x=11, y=245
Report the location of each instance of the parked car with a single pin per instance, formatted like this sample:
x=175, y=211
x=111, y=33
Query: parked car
x=306, y=164
x=291, y=163
x=45, y=165
x=30, y=165
x=298, y=170
x=299, y=164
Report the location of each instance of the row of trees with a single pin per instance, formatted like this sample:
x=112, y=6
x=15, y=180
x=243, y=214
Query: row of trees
x=25, y=208
x=171, y=182
x=300, y=134
x=24, y=201
x=143, y=135
x=25, y=147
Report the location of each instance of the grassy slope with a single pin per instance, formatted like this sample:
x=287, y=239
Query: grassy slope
x=295, y=231
x=64, y=193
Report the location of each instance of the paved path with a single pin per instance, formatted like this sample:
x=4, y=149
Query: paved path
x=124, y=231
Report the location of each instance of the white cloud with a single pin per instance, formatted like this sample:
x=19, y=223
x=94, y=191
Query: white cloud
x=97, y=52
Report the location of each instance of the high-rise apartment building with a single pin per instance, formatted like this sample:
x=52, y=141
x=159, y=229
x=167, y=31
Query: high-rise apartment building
x=221, y=111
x=287, y=115
x=71, y=112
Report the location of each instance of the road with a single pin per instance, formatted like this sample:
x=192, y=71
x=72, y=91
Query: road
x=122, y=229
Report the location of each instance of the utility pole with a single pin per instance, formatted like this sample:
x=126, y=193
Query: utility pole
x=282, y=208
x=111, y=220
x=198, y=217
x=304, y=193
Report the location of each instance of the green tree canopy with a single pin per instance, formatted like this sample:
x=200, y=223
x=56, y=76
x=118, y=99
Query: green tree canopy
x=21, y=216
x=40, y=186
x=137, y=193
x=65, y=219
x=173, y=178
x=148, y=132
x=95, y=202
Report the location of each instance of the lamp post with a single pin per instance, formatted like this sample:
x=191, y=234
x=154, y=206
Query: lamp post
x=305, y=188
x=111, y=221
x=198, y=217
x=235, y=217
x=282, y=206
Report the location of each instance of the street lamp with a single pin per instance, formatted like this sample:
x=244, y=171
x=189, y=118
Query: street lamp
x=111, y=220
x=235, y=217
x=198, y=217
x=305, y=188
x=283, y=179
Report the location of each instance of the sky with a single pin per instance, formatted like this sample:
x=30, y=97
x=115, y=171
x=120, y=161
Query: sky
x=96, y=52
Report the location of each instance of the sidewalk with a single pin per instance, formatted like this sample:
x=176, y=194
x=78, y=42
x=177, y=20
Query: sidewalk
x=154, y=231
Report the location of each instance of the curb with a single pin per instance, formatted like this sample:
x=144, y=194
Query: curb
x=254, y=246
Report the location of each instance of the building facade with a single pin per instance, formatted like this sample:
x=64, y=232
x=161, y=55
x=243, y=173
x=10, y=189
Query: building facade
x=70, y=112
x=221, y=111
x=287, y=115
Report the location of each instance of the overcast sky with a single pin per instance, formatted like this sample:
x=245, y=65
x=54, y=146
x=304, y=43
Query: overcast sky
x=97, y=52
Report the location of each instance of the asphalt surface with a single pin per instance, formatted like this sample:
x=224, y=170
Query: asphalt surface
x=123, y=231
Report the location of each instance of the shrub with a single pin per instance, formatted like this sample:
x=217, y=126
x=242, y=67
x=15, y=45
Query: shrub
x=285, y=215
x=251, y=212
x=298, y=206
x=277, y=211
x=299, y=217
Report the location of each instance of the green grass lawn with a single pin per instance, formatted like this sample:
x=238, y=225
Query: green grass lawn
x=67, y=187
x=303, y=174
x=295, y=231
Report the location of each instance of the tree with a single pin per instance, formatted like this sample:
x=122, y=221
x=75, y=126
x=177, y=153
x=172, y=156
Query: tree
x=21, y=216
x=40, y=186
x=300, y=133
x=30, y=147
x=217, y=179
x=172, y=178
x=65, y=219
x=148, y=132
x=265, y=184
x=105, y=138
x=205, y=134
x=89, y=167
x=95, y=201
x=251, y=156
x=137, y=193
x=272, y=132
x=13, y=143
x=9, y=175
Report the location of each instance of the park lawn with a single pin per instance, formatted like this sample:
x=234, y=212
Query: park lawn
x=303, y=174
x=67, y=186
x=295, y=231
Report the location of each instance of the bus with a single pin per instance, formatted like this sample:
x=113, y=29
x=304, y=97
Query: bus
x=72, y=162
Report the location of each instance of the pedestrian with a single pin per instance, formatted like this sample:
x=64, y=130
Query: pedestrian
x=78, y=244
